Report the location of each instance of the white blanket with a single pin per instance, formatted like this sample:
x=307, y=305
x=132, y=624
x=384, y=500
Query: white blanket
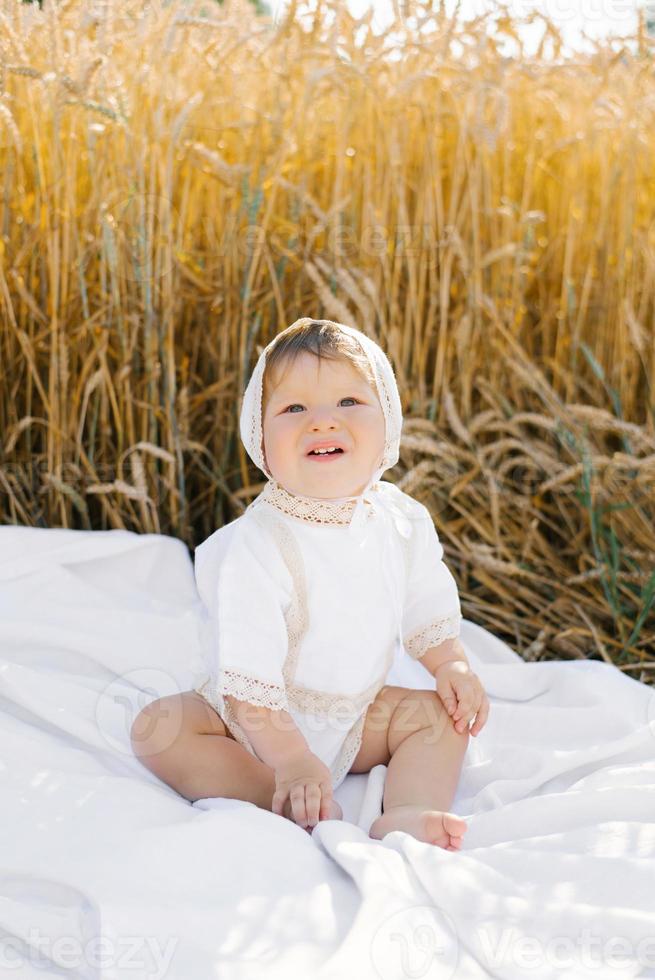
x=106, y=872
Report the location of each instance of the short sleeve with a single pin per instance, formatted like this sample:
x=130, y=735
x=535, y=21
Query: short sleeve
x=243, y=582
x=432, y=611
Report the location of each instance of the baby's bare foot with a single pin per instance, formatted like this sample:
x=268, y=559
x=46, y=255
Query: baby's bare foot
x=432, y=826
x=334, y=812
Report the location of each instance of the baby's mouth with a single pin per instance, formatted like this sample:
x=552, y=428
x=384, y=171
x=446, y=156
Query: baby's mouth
x=325, y=456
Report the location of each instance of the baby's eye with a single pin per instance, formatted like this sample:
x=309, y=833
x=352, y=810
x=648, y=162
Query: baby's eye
x=348, y=398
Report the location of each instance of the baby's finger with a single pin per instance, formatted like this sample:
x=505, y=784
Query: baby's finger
x=482, y=716
x=326, y=801
x=464, y=710
x=473, y=707
x=298, y=804
x=470, y=698
x=312, y=802
x=450, y=703
x=469, y=713
x=463, y=698
x=279, y=798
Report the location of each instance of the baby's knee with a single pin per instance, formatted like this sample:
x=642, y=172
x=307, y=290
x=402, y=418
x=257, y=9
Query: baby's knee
x=156, y=727
x=419, y=710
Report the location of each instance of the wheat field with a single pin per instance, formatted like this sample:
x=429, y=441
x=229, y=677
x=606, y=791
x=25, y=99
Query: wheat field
x=182, y=180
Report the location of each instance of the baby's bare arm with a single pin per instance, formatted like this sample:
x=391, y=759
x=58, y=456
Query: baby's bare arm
x=274, y=735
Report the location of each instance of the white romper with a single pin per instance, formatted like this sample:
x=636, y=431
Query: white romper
x=302, y=617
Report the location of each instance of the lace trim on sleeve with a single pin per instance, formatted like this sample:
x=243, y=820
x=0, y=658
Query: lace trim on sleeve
x=244, y=687
x=418, y=642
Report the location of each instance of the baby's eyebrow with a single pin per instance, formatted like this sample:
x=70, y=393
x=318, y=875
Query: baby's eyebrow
x=285, y=395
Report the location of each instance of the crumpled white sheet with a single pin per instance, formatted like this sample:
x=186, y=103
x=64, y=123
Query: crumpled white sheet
x=106, y=872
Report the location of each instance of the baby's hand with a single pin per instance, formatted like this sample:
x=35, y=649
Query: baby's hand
x=307, y=782
x=462, y=695
x=334, y=812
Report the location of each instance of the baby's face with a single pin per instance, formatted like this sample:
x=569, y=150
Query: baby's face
x=326, y=401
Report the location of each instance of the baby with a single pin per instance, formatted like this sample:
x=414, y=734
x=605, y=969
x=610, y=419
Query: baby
x=309, y=594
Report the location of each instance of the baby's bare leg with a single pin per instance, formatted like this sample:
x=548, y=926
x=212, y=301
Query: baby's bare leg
x=423, y=772
x=186, y=744
x=426, y=753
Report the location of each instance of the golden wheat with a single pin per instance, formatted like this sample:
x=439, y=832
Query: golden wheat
x=178, y=185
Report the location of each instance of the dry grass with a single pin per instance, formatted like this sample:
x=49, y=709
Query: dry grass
x=176, y=189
